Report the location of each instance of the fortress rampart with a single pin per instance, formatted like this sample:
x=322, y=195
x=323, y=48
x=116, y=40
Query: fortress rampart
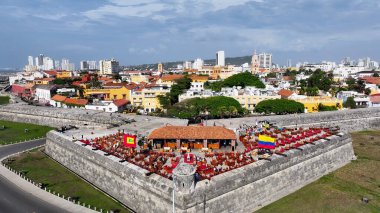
x=241, y=190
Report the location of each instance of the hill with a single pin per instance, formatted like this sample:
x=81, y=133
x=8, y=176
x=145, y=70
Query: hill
x=170, y=65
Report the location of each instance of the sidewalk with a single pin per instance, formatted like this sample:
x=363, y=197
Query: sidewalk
x=41, y=194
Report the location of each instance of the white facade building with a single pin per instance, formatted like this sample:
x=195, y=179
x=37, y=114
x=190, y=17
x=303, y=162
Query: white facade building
x=265, y=60
x=198, y=64
x=346, y=71
x=43, y=93
x=220, y=58
x=108, y=67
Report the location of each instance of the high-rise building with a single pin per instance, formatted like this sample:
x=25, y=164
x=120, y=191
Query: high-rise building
x=289, y=63
x=220, y=59
x=108, y=67
x=40, y=60
x=255, y=63
x=198, y=64
x=83, y=65
x=30, y=60
x=187, y=65
x=66, y=65
x=92, y=65
x=265, y=60
x=48, y=63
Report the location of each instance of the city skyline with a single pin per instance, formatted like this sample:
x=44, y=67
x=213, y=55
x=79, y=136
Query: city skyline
x=149, y=31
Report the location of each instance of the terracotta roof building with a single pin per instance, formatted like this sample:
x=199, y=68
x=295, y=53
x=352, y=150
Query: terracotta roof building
x=193, y=137
x=285, y=93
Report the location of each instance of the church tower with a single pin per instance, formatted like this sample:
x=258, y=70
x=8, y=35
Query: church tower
x=255, y=63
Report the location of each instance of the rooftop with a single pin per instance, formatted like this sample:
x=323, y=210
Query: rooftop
x=192, y=132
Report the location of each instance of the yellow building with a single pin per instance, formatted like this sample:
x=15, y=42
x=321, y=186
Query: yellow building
x=169, y=80
x=249, y=102
x=139, y=78
x=147, y=97
x=43, y=81
x=311, y=103
x=64, y=74
x=111, y=91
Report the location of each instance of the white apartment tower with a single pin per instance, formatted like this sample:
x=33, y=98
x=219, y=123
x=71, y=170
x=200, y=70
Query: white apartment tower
x=265, y=60
x=30, y=61
x=108, y=67
x=220, y=59
x=198, y=64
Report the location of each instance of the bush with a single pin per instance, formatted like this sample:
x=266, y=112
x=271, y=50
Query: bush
x=322, y=108
x=214, y=107
x=279, y=107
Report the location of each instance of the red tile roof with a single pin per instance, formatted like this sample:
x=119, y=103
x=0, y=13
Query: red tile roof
x=59, y=98
x=375, y=98
x=372, y=80
x=192, y=132
x=51, y=72
x=171, y=77
x=120, y=102
x=285, y=93
x=78, y=102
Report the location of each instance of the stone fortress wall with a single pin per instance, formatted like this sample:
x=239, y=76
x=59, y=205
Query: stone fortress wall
x=348, y=120
x=241, y=190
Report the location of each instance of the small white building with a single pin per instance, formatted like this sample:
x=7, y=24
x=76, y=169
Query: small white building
x=108, y=106
x=43, y=93
x=197, y=86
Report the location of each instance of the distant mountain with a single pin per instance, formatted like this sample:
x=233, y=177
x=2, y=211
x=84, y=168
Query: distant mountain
x=167, y=65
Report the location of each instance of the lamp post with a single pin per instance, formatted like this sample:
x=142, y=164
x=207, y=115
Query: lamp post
x=204, y=198
x=174, y=194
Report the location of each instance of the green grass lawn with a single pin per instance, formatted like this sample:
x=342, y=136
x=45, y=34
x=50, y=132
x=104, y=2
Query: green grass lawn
x=342, y=190
x=40, y=168
x=14, y=132
x=4, y=100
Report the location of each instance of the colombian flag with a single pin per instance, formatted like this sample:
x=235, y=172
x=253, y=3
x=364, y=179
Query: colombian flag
x=266, y=142
x=130, y=141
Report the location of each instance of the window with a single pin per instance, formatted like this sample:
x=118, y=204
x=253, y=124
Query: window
x=114, y=96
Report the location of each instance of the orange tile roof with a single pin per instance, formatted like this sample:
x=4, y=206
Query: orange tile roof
x=192, y=132
x=79, y=102
x=120, y=102
x=287, y=78
x=59, y=98
x=372, y=80
x=51, y=72
x=375, y=98
x=285, y=93
x=198, y=77
x=171, y=77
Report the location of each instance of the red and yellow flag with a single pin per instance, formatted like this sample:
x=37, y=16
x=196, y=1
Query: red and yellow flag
x=130, y=141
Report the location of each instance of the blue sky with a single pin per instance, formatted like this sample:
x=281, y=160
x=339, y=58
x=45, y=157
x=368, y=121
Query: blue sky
x=149, y=31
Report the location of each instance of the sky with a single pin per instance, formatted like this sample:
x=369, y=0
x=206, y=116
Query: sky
x=151, y=31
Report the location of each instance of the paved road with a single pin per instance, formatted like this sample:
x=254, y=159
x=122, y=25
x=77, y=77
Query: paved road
x=12, y=197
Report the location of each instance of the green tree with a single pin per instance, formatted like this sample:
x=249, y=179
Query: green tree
x=242, y=79
x=376, y=74
x=350, y=103
x=272, y=75
x=279, y=107
x=367, y=91
x=312, y=91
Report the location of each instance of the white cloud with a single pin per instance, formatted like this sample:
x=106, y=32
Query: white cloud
x=124, y=11
x=160, y=10
x=53, y=17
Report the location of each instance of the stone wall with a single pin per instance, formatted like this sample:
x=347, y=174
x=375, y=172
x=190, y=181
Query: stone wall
x=348, y=120
x=124, y=181
x=241, y=190
x=57, y=117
